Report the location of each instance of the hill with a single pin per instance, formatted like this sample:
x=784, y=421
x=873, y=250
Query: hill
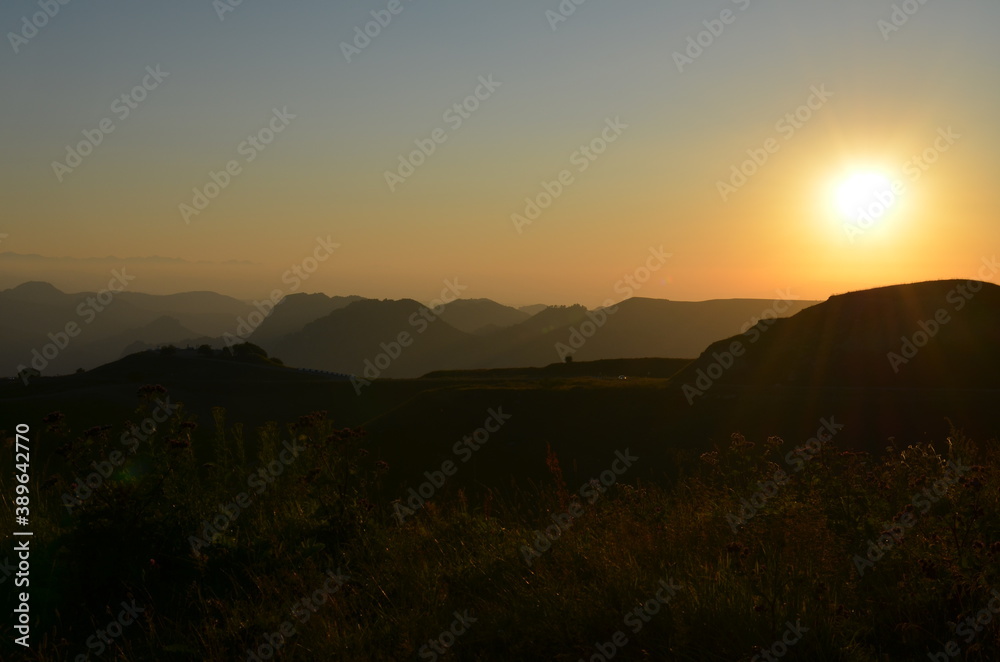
x=936, y=334
x=481, y=315
x=293, y=312
x=363, y=338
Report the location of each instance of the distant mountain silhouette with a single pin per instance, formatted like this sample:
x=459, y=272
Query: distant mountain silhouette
x=656, y=327
x=186, y=303
x=346, y=338
x=637, y=328
x=295, y=311
x=34, y=291
x=936, y=334
x=37, y=317
x=533, y=309
x=481, y=316
x=532, y=342
x=346, y=334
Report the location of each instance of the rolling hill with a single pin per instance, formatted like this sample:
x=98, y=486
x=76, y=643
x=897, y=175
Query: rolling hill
x=936, y=334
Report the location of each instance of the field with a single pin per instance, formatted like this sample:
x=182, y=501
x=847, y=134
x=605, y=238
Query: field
x=499, y=517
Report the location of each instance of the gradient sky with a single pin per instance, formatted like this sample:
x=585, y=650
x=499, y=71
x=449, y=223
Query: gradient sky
x=656, y=185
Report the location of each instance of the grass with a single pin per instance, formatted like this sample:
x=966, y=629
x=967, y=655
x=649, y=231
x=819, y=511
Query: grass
x=740, y=578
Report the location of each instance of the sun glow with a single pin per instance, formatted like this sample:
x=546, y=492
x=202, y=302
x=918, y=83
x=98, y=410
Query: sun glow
x=865, y=196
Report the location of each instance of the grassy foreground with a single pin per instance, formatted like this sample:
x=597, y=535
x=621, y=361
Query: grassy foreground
x=283, y=543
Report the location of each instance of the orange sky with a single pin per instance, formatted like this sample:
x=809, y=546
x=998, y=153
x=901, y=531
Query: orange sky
x=531, y=99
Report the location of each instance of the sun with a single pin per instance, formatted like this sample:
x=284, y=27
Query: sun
x=865, y=196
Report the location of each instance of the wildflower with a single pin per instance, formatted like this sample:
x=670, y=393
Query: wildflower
x=739, y=441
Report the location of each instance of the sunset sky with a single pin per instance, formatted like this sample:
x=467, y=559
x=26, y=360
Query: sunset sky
x=880, y=98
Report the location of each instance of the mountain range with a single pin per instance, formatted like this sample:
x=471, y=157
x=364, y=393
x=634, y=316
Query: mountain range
x=57, y=333
x=903, y=361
